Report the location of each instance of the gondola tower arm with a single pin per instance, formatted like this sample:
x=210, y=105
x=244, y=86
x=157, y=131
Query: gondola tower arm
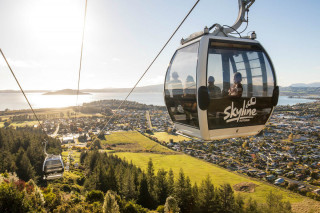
x=244, y=6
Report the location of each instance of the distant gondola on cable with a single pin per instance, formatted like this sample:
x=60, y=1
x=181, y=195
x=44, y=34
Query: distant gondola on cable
x=53, y=167
x=218, y=86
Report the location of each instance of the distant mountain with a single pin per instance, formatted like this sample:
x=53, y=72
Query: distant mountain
x=66, y=92
x=27, y=91
x=315, y=84
x=152, y=88
x=300, y=91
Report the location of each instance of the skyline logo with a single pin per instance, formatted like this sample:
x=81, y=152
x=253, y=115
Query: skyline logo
x=243, y=114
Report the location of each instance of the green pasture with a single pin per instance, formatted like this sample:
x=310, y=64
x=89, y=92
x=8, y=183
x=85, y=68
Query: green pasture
x=20, y=124
x=197, y=170
x=164, y=136
x=75, y=155
x=133, y=141
x=24, y=123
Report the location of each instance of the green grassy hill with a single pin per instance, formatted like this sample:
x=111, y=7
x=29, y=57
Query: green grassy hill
x=134, y=142
x=198, y=169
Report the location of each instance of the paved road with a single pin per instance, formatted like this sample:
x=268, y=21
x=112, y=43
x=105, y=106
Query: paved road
x=56, y=132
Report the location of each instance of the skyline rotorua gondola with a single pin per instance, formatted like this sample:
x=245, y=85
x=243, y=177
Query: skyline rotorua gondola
x=53, y=167
x=218, y=86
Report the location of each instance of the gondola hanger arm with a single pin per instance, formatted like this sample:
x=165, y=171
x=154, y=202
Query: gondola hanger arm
x=244, y=6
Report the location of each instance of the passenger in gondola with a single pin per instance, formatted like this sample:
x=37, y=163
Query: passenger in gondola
x=176, y=85
x=214, y=91
x=236, y=89
x=176, y=88
x=189, y=98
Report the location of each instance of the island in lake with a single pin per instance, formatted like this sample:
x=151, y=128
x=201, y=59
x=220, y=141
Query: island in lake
x=66, y=92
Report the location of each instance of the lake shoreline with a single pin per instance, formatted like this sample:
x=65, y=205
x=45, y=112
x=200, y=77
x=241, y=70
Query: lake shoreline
x=16, y=101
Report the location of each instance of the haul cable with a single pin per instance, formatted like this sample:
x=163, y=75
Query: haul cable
x=164, y=46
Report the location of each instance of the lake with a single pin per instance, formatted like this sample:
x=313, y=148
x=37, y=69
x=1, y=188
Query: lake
x=14, y=101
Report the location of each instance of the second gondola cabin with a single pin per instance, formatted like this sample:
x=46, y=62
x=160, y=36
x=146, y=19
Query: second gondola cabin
x=220, y=87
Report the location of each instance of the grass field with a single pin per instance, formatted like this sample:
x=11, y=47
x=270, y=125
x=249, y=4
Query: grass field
x=197, y=170
x=75, y=155
x=134, y=142
x=24, y=123
x=21, y=124
x=164, y=136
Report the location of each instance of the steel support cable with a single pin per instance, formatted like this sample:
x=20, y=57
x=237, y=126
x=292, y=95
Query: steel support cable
x=153, y=61
x=80, y=65
x=23, y=93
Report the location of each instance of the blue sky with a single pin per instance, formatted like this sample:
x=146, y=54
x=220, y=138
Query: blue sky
x=42, y=39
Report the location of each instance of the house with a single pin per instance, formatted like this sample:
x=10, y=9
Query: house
x=261, y=174
x=279, y=181
x=317, y=191
x=68, y=139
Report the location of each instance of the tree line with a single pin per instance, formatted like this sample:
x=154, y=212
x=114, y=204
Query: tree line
x=152, y=189
x=22, y=151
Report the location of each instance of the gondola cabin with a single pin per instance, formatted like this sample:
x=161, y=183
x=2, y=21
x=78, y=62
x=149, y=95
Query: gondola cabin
x=220, y=87
x=53, y=167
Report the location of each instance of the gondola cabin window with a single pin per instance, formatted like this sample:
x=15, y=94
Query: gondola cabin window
x=181, y=87
x=240, y=84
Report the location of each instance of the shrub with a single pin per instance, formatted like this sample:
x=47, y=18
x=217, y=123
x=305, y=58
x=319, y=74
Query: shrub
x=94, y=196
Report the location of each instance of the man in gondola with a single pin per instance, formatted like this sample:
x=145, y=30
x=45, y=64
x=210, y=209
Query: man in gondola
x=177, y=91
x=214, y=91
x=236, y=89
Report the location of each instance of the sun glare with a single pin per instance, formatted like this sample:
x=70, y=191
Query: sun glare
x=56, y=23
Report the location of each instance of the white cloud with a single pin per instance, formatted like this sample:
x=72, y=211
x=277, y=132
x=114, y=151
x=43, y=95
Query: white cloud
x=317, y=68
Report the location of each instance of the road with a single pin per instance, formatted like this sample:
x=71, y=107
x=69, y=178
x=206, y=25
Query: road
x=56, y=132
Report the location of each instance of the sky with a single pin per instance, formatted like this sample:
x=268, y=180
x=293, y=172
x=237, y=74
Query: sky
x=42, y=39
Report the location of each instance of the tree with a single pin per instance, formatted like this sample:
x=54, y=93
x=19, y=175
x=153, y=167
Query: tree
x=183, y=193
x=110, y=204
x=35, y=196
x=11, y=199
x=171, y=205
x=144, y=197
x=251, y=206
x=275, y=204
x=111, y=179
x=195, y=195
x=101, y=136
x=7, y=162
x=150, y=176
x=170, y=182
x=95, y=196
x=226, y=198
x=129, y=187
x=96, y=144
x=52, y=197
x=7, y=123
x=207, y=202
x=131, y=207
x=239, y=204
x=161, y=186
x=25, y=170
